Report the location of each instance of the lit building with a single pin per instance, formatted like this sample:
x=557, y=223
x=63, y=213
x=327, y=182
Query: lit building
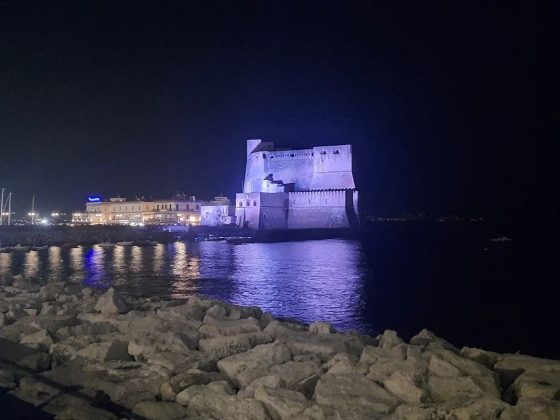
x=120, y=211
x=297, y=189
x=218, y=212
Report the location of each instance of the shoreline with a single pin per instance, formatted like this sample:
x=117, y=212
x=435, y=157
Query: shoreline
x=75, y=352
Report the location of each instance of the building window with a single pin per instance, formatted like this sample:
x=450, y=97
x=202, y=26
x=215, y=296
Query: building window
x=248, y=203
x=198, y=207
x=241, y=204
x=176, y=206
x=254, y=203
x=264, y=155
x=336, y=152
x=292, y=155
x=158, y=206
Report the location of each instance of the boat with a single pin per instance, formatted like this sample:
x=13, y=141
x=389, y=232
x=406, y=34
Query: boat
x=239, y=240
x=501, y=239
x=18, y=247
x=39, y=248
x=125, y=243
x=106, y=244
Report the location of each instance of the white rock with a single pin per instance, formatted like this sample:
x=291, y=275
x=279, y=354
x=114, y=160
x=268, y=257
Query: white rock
x=40, y=340
x=321, y=328
x=403, y=385
x=111, y=303
x=282, y=404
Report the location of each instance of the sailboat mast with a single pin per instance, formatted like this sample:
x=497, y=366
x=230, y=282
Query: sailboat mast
x=2, y=208
x=33, y=210
x=9, y=208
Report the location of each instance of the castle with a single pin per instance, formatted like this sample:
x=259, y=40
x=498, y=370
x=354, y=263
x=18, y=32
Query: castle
x=297, y=189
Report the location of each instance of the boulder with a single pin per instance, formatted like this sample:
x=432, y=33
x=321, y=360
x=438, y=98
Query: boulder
x=34, y=391
x=296, y=374
x=176, y=384
x=483, y=377
x=215, y=311
x=486, y=358
x=114, y=350
x=324, y=346
x=37, y=361
x=215, y=327
x=404, y=386
x=429, y=340
x=389, y=339
x=69, y=407
x=440, y=367
x=41, y=340
x=532, y=410
x=462, y=388
x=349, y=366
x=221, y=347
x=181, y=313
x=282, y=404
x=354, y=392
x=321, y=328
x=211, y=404
x=111, y=303
x=537, y=385
x=244, y=368
x=159, y=410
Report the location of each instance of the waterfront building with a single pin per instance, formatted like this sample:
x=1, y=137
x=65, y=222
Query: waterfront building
x=297, y=189
x=218, y=212
x=118, y=210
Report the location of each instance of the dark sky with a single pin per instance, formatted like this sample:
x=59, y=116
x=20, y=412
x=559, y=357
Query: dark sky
x=448, y=105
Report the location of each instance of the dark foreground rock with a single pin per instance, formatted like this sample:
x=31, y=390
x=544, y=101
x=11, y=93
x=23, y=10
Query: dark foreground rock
x=75, y=353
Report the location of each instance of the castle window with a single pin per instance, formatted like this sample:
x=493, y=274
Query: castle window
x=323, y=152
x=264, y=155
x=254, y=203
x=248, y=203
x=336, y=152
x=292, y=155
x=241, y=204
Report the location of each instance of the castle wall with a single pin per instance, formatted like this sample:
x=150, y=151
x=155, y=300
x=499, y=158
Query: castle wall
x=317, y=209
x=261, y=210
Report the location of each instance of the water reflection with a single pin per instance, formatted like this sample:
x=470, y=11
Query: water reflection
x=55, y=263
x=5, y=263
x=31, y=265
x=159, y=259
x=95, y=269
x=304, y=280
x=313, y=280
x=136, y=259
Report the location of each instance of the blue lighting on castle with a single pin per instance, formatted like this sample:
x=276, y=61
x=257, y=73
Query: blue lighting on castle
x=94, y=198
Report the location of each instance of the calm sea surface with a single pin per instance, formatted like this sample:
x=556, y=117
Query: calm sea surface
x=452, y=280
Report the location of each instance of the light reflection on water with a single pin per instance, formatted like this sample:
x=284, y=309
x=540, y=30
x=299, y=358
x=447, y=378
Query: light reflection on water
x=302, y=280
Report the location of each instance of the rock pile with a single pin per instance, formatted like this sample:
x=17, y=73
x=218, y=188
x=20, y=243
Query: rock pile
x=80, y=355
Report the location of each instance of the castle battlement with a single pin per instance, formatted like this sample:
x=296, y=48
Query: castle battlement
x=297, y=188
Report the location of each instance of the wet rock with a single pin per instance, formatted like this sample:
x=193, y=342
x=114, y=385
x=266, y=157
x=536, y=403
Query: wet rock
x=159, y=410
x=282, y=404
x=349, y=393
x=111, y=303
x=245, y=367
x=321, y=328
x=429, y=340
x=181, y=313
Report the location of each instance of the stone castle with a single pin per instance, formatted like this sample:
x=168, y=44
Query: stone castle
x=297, y=189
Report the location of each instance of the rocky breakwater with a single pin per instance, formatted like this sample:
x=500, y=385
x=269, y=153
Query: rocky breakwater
x=80, y=354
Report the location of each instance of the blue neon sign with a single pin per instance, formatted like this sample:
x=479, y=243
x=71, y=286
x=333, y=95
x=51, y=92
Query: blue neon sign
x=93, y=198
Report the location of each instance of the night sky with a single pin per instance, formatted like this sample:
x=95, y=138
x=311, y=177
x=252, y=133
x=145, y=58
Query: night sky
x=448, y=106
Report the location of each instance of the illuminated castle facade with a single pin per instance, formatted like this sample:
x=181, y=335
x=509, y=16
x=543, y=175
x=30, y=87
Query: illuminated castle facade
x=297, y=189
